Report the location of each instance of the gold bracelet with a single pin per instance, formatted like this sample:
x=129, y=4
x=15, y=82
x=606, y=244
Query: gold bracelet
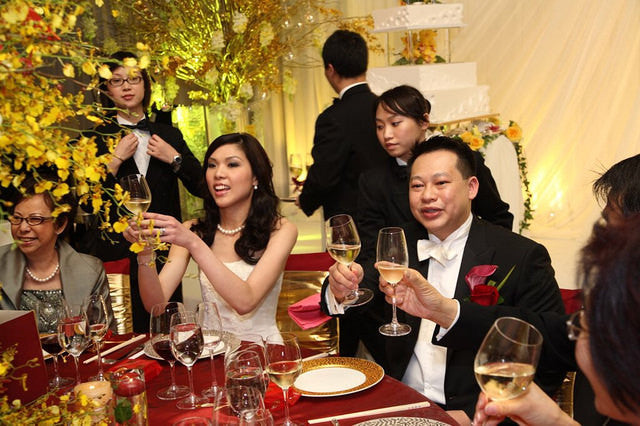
x=147, y=260
x=114, y=154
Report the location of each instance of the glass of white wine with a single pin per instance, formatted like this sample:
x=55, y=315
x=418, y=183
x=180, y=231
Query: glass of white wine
x=343, y=244
x=506, y=361
x=139, y=193
x=284, y=365
x=392, y=260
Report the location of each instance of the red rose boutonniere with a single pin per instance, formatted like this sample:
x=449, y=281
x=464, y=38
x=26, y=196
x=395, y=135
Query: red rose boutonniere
x=481, y=293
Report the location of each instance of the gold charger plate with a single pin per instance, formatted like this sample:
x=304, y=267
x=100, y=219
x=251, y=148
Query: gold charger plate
x=335, y=376
x=402, y=421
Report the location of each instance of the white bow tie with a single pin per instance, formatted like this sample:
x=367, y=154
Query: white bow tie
x=438, y=251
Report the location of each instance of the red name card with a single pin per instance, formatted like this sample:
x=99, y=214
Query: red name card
x=26, y=379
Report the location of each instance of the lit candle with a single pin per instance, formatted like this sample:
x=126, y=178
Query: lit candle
x=100, y=392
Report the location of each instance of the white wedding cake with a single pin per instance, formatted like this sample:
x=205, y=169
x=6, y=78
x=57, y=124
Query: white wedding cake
x=452, y=88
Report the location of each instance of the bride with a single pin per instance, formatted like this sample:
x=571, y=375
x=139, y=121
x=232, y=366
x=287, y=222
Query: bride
x=241, y=245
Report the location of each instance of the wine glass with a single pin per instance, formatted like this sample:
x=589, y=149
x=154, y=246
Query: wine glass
x=211, y=326
x=244, y=342
x=245, y=401
x=392, y=260
x=245, y=368
x=187, y=344
x=295, y=168
x=284, y=364
x=159, y=328
x=139, y=193
x=73, y=332
x=48, y=315
x=343, y=244
x=98, y=319
x=506, y=361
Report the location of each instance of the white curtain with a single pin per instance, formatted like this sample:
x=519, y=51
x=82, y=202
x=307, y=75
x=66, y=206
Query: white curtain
x=567, y=71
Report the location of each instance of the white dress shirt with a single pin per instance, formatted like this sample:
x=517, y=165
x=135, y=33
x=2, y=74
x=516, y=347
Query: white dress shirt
x=427, y=367
x=140, y=156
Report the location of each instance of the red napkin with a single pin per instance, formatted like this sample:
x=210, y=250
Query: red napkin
x=307, y=313
x=150, y=367
x=274, y=398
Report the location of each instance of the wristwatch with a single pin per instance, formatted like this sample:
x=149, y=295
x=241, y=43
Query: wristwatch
x=176, y=163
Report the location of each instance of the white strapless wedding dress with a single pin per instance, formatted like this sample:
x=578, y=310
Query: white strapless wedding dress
x=262, y=320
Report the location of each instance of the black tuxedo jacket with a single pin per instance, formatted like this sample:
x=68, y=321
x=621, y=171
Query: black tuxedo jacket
x=531, y=287
x=344, y=146
x=165, y=199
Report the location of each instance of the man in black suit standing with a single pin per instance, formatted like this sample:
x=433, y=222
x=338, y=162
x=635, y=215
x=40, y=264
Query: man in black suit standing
x=345, y=141
x=445, y=242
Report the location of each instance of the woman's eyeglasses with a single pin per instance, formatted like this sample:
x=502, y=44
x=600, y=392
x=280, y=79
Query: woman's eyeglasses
x=117, y=82
x=31, y=220
x=574, y=325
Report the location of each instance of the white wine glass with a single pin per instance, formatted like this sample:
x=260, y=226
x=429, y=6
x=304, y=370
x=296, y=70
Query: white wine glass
x=98, y=320
x=73, y=333
x=246, y=368
x=139, y=194
x=187, y=345
x=211, y=326
x=159, y=329
x=48, y=315
x=295, y=168
x=284, y=365
x=392, y=260
x=506, y=361
x=343, y=244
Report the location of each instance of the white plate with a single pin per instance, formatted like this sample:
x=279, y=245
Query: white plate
x=337, y=376
x=148, y=351
x=402, y=421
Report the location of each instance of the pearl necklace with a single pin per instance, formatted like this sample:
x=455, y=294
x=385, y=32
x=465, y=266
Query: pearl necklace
x=45, y=279
x=230, y=231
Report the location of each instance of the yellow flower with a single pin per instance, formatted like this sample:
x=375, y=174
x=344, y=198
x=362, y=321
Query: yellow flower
x=61, y=189
x=92, y=173
x=99, y=3
x=115, y=13
x=476, y=143
x=142, y=46
x=466, y=137
x=104, y=71
x=61, y=209
x=3, y=369
x=83, y=399
x=89, y=68
x=67, y=70
x=43, y=186
x=130, y=62
x=145, y=60
x=137, y=247
x=96, y=202
x=514, y=133
x=121, y=225
x=16, y=13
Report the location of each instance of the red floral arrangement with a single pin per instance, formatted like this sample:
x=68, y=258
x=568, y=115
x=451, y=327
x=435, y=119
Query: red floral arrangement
x=481, y=293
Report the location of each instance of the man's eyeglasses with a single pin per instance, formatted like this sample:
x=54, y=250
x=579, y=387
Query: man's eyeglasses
x=31, y=220
x=117, y=82
x=574, y=325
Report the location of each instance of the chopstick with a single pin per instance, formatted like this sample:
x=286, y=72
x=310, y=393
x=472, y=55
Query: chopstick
x=316, y=356
x=415, y=405
x=115, y=348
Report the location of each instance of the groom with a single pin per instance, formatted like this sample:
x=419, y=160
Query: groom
x=445, y=243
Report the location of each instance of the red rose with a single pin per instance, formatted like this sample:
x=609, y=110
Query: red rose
x=484, y=295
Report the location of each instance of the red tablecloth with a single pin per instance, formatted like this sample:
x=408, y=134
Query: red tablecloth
x=388, y=392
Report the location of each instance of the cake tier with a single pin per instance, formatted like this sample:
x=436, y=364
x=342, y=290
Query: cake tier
x=418, y=16
x=451, y=88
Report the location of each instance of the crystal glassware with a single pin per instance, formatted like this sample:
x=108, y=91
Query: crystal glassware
x=48, y=315
x=187, y=344
x=211, y=326
x=392, y=260
x=284, y=365
x=98, y=320
x=73, y=333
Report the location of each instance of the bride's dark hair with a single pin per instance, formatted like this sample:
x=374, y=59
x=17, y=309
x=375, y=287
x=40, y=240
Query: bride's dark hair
x=263, y=214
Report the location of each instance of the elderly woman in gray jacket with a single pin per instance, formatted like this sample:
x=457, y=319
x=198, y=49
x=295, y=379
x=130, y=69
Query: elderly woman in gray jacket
x=40, y=265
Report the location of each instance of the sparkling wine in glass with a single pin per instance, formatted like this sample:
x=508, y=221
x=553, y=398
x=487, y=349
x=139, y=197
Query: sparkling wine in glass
x=98, y=319
x=187, y=344
x=73, y=333
x=506, y=361
x=284, y=365
x=139, y=193
x=392, y=260
x=48, y=315
x=159, y=329
x=343, y=244
x=211, y=326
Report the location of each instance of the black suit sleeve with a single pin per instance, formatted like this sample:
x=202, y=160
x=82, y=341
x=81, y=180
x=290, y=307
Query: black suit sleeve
x=190, y=172
x=371, y=216
x=488, y=205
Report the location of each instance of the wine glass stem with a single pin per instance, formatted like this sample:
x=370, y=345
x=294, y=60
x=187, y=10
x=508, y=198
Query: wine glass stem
x=394, y=318
x=190, y=375
x=75, y=361
x=100, y=372
x=214, y=381
x=56, y=373
x=173, y=374
x=285, y=393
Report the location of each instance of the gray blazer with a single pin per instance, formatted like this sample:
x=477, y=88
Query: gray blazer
x=80, y=274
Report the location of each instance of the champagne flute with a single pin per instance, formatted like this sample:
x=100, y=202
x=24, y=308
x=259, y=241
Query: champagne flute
x=187, y=344
x=506, y=361
x=73, y=333
x=159, y=328
x=343, y=244
x=211, y=326
x=48, y=315
x=139, y=193
x=98, y=320
x=392, y=260
x=284, y=364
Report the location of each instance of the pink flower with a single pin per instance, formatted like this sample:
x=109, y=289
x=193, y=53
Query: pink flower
x=478, y=275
